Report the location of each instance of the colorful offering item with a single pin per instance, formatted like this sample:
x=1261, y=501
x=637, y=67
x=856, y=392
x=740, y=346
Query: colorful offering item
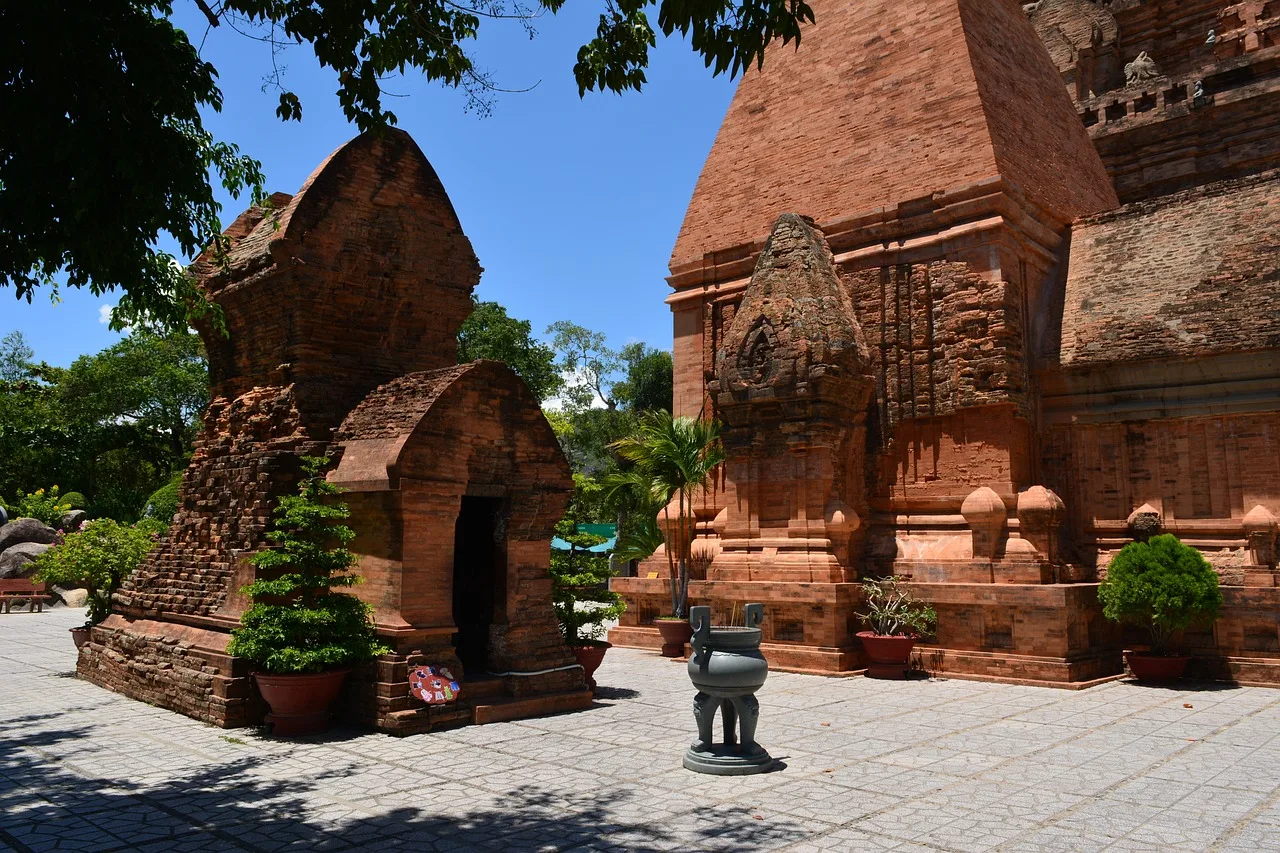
x=434, y=685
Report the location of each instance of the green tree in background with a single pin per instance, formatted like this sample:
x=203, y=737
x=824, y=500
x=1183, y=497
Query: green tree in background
x=105, y=148
x=114, y=426
x=15, y=358
x=491, y=333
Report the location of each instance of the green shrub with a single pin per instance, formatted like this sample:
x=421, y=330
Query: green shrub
x=579, y=577
x=75, y=499
x=298, y=623
x=47, y=506
x=1162, y=586
x=892, y=612
x=162, y=505
x=98, y=559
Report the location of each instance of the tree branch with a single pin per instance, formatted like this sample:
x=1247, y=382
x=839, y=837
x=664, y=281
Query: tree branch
x=208, y=13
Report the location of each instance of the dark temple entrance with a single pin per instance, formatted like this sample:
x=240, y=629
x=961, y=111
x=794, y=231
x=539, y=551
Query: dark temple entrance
x=479, y=580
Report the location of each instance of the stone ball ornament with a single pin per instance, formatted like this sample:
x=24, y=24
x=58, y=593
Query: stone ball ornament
x=727, y=668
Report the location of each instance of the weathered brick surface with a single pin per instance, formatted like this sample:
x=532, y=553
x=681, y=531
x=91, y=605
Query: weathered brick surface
x=886, y=102
x=946, y=339
x=244, y=460
x=1185, y=275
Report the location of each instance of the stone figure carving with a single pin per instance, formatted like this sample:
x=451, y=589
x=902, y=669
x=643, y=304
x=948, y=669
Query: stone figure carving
x=1143, y=69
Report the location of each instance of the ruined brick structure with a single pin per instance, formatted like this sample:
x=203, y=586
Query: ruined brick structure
x=1066, y=266
x=342, y=305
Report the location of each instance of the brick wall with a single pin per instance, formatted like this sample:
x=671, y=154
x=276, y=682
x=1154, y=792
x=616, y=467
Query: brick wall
x=1180, y=276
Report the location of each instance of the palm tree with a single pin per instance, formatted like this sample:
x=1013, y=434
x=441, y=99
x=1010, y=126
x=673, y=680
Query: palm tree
x=676, y=458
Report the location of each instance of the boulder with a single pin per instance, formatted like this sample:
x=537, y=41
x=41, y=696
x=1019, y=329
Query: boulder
x=72, y=520
x=4, y=516
x=71, y=597
x=15, y=561
x=26, y=530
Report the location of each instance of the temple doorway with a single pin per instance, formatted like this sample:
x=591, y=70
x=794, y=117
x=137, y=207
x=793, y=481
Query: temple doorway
x=479, y=580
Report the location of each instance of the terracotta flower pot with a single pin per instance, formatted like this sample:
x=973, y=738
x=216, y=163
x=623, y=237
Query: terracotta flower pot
x=80, y=635
x=589, y=658
x=889, y=654
x=675, y=633
x=1151, y=667
x=299, y=703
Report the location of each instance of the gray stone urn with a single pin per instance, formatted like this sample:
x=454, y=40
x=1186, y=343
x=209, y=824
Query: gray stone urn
x=727, y=668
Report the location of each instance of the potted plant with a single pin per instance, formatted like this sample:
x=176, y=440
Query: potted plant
x=581, y=596
x=676, y=458
x=97, y=559
x=895, y=620
x=301, y=634
x=1164, y=587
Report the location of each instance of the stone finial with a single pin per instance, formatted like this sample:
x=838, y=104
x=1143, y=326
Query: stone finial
x=1040, y=515
x=985, y=514
x=1260, y=528
x=1145, y=522
x=796, y=324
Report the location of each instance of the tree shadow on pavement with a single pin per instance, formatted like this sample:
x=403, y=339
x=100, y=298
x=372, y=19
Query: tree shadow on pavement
x=242, y=804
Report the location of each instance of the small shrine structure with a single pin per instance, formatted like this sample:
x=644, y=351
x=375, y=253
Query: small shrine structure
x=342, y=305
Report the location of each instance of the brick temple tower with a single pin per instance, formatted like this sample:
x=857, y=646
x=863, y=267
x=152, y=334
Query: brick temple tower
x=1048, y=364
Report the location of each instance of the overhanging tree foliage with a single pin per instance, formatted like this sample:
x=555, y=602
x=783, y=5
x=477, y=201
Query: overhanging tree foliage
x=103, y=150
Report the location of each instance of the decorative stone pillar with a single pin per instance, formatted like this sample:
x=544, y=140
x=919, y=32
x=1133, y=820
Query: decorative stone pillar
x=792, y=387
x=1260, y=528
x=985, y=514
x=1040, y=515
x=1144, y=522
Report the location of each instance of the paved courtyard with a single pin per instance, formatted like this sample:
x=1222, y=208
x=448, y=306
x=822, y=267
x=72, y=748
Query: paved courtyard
x=869, y=765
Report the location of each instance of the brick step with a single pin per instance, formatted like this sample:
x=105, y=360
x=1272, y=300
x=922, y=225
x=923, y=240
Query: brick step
x=512, y=708
x=483, y=689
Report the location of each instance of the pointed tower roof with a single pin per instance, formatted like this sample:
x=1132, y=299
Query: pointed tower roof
x=887, y=101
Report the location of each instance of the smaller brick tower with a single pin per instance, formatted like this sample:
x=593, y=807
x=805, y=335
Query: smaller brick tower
x=792, y=388
x=360, y=280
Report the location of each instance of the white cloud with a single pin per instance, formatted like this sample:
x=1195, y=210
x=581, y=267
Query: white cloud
x=104, y=313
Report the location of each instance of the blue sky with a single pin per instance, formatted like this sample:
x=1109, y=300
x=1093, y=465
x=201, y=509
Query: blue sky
x=572, y=205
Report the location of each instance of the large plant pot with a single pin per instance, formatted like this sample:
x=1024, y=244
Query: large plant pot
x=299, y=703
x=889, y=655
x=80, y=635
x=675, y=634
x=1151, y=667
x=727, y=669
x=590, y=656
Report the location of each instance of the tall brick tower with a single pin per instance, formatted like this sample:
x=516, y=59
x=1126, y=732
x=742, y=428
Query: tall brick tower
x=934, y=145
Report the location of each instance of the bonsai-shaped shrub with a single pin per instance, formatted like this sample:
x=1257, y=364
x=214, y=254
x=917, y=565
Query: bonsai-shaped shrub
x=47, y=507
x=98, y=558
x=75, y=500
x=580, y=587
x=892, y=612
x=1161, y=585
x=299, y=623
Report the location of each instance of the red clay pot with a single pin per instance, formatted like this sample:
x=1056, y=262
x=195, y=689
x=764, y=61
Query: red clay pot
x=299, y=703
x=889, y=654
x=80, y=635
x=589, y=658
x=675, y=634
x=1149, y=667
